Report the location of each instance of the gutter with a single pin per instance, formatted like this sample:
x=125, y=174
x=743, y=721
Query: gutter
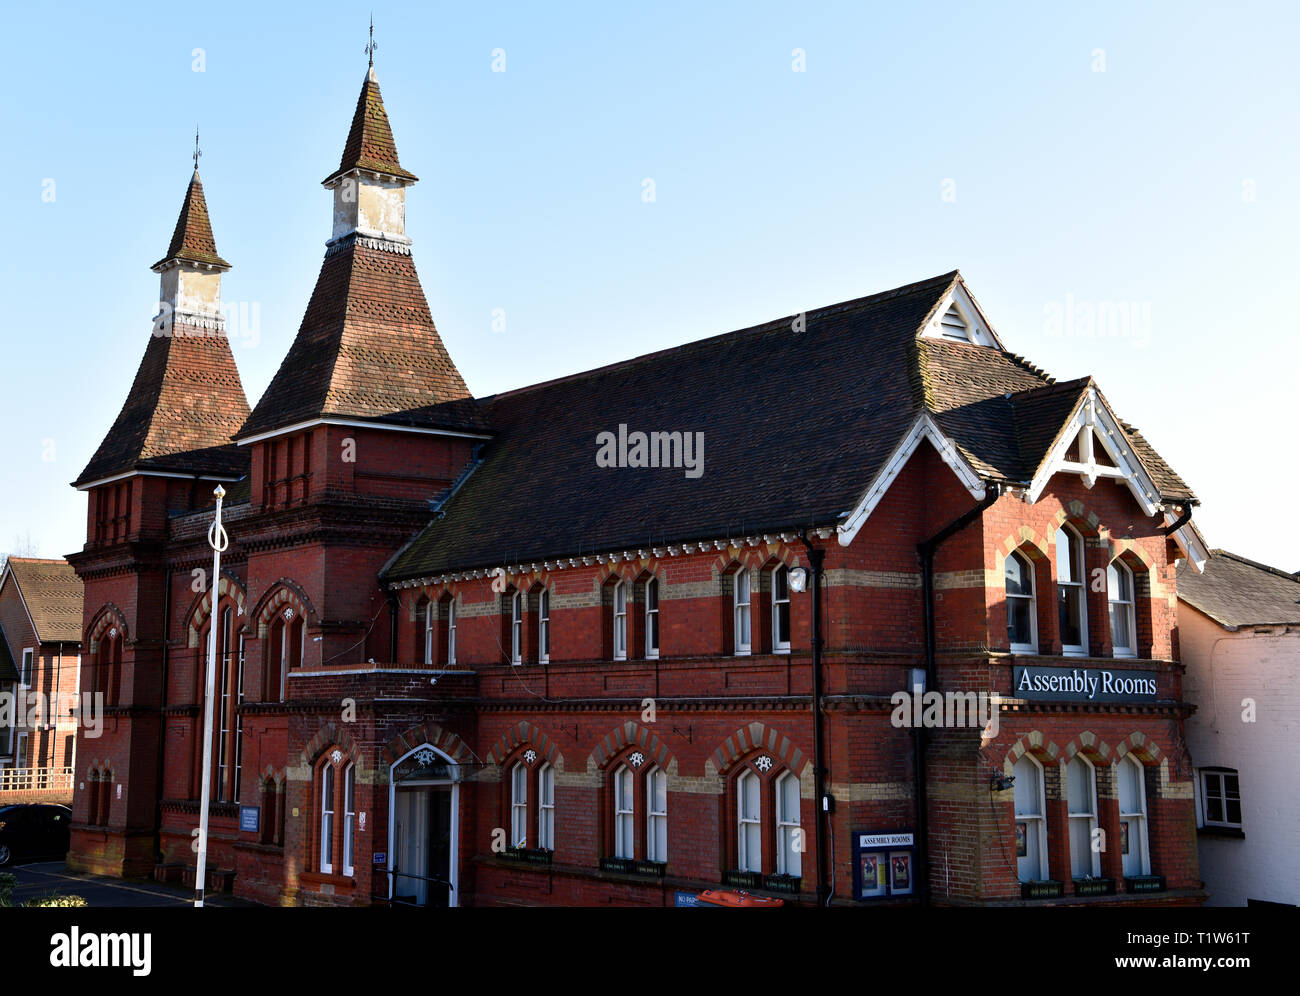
x=926, y=550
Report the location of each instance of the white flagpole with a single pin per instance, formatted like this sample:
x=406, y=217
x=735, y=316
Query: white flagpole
x=218, y=540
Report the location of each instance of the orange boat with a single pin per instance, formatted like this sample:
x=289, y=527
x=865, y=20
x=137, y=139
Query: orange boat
x=738, y=899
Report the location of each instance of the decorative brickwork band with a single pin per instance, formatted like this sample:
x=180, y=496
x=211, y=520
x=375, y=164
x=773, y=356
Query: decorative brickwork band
x=758, y=736
x=426, y=733
x=329, y=736
x=282, y=595
x=522, y=733
x=227, y=585
x=626, y=735
x=108, y=616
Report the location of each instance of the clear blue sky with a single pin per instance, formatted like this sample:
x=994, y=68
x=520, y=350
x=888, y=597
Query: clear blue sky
x=1166, y=183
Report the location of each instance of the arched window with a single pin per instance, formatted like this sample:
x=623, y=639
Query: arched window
x=1022, y=612
x=1123, y=618
x=546, y=807
x=517, y=627
x=349, y=817
x=656, y=837
x=451, y=631
x=749, y=847
x=519, y=806
x=336, y=827
x=1081, y=793
x=1031, y=820
x=624, y=814
x=620, y=621
x=742, y=595
x=1135, y=856
x=544, y=626
x=789, y=836
x=1072, y=610
x=652, y=619
x=327, y=819
x=108, y=678
x=427, y=617
x=781, y=610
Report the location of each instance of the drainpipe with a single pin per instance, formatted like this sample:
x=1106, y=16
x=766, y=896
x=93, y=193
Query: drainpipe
x=1178, y=523
x=926, y=550
x=815, y=559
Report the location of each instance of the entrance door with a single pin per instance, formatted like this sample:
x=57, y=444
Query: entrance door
x=422, y=869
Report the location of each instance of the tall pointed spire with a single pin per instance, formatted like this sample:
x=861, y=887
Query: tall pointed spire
x=367, y=347
x=187, y=399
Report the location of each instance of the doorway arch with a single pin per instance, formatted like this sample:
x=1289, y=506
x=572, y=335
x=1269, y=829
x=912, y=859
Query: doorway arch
x=423, y=828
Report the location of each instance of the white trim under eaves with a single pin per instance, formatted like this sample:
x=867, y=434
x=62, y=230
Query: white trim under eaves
x=356, y=424
x=1094, y=415
x=923, y=428
x=158, y=473
x=1191, y=542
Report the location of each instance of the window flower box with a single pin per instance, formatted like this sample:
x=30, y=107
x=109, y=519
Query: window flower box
x=1145, y=883
x=1094, y=886
x=743, y=879
x=528, y=855
x=1044, y=889
x=789, y=884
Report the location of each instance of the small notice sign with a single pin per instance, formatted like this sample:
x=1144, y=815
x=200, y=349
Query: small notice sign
x=250, y=818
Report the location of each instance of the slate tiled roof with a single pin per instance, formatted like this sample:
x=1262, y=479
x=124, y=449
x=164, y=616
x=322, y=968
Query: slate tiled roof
x=1235, y=591
x=183, y=407
x=370, y=142
x=53, y=595
x=796, y=424
x=192, y=239
x=367, y=349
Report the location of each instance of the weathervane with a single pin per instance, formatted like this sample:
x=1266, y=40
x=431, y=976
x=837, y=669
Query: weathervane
x=372, y=45
x=197, y=151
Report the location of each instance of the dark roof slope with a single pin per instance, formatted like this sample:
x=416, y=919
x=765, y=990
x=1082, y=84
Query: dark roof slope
x=370, y=143
x=367, y=348
x=796, y=425
x=1234, y=591
x=192, y=239
x=53, y=595
x=183, y=407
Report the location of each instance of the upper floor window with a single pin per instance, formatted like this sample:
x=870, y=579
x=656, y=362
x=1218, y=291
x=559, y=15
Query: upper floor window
x=1220, y=798
x=544, y=627
x=1081, y=792
x=1130, y=778
x=519, y=806
x=29, y=658
x=1123, y=622
x=781, y=610
x=1070, y=577
x=620, y=621
x=451, y=631
x=742, y=597
x=428, y=634
x=516, y=627
x=652, y=619
x=1031, y=820
x=1022, y=613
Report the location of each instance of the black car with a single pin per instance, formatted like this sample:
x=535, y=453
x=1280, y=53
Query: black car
x=33, y=831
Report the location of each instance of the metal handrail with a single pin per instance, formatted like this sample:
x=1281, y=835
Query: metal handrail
x=393, y=873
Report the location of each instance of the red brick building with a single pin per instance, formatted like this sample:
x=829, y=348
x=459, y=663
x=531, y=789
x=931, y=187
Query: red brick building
x=40, y=658
x=560, y=645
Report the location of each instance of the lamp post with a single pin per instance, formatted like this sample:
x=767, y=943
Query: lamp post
x=218, y=540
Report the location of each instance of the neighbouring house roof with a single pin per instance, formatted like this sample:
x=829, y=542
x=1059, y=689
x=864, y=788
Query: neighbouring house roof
x=53, y=595
x=1234, y=591
x=370, y=144
x=796, y=422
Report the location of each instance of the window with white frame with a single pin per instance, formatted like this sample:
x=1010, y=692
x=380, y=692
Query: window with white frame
x=451, y=631
x=546, y=807
x=749, y=845
x=349, y=817
x=1022, y=611
x=29, y=659
x=327, y=819
x=428, y=634
x=1031, y=820
x=620, y=621
x=544, y=627
x=656, y=837
x=742, y=595
x=781, y=610
x=1081, y=794
x=1135, y=855
x=1072, y=610
x=652, y=619
x=516, y=627
x=519, y=806
x=1221, y=798
x=789, y=842
x=1123, y=618
x=624, y=814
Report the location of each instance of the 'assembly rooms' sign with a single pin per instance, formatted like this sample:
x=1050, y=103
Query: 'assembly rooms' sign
x=1088, y=684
